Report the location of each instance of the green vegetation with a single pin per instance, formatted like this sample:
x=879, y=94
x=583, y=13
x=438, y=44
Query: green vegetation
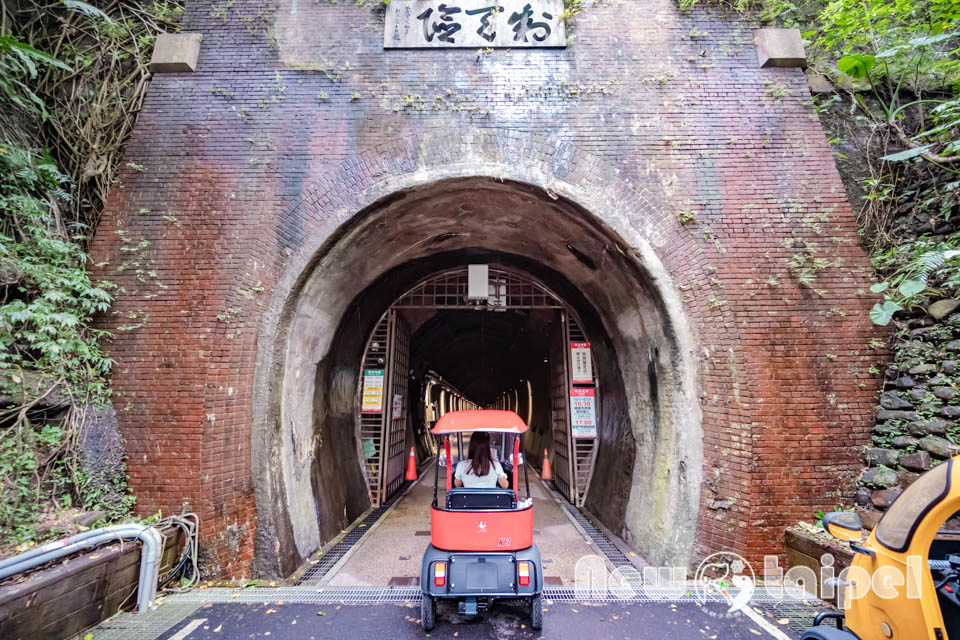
x=72, y=77
x=896, y=68
x=893, y=121
x=916, y=271
x=47, y=342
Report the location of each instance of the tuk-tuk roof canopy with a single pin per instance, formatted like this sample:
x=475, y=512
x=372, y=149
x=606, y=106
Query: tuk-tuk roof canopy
x=492, y=420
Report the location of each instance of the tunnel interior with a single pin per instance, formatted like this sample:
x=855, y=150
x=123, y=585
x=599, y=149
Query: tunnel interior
x=483, y=354
x=645, y=486
x=493, y=359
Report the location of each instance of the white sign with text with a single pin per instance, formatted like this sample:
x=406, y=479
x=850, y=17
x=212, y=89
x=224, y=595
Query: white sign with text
x=372, y=397
x=474, y=24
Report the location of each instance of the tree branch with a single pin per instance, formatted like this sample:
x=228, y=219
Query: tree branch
x=907, y=142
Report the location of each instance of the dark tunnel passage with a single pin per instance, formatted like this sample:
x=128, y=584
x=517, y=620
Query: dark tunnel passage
x=493, y=359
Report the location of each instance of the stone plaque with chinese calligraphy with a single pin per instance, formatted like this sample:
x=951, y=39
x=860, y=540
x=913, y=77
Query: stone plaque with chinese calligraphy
x=418, y=24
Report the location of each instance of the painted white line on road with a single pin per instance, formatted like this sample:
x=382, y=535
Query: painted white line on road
x=762, y=622
x=187, y=630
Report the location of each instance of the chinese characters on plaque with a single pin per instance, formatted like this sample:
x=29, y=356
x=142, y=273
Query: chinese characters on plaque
x=581, y=366
x=417, y=24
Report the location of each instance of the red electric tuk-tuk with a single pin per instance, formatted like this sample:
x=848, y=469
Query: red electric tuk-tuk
x=481, y=540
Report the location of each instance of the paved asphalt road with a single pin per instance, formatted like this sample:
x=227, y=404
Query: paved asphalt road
x=507, y=621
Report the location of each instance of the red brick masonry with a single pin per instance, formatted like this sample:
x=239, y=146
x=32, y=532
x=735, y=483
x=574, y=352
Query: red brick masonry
x=761, y=241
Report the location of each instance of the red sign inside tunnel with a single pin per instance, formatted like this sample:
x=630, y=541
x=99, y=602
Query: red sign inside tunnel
x=583, y=414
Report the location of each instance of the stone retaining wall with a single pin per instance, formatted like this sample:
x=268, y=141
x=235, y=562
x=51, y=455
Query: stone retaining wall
x=918, y=420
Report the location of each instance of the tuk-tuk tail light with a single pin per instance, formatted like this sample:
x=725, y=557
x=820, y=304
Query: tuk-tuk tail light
x=439, y=574
x=523, y=573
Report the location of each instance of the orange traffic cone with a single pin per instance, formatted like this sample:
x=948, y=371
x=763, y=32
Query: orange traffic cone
x=547, y=473
x=411, y=466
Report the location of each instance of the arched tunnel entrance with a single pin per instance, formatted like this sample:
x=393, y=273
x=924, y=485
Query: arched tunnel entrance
x=382, y=332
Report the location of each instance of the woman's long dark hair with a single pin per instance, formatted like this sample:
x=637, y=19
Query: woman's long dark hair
x=479, y=454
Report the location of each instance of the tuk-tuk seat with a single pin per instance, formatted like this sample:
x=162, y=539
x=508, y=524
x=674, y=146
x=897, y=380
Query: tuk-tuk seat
x=476, y=498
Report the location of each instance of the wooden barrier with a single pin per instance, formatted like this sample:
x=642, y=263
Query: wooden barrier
x=78, y=592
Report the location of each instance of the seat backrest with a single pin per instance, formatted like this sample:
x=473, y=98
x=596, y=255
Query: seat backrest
x=465, y=499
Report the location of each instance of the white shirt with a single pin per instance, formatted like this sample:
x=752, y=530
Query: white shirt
x=471, y=481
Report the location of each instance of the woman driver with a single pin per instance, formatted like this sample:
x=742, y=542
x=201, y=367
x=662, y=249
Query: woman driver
x=479, y=470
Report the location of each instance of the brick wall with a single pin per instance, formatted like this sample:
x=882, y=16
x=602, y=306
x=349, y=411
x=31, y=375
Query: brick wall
x=673, y=104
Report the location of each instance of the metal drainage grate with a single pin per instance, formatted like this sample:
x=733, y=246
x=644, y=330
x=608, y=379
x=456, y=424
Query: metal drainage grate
x=145, y=625
x=800, y=613
x=598, y=537
x=302, y=594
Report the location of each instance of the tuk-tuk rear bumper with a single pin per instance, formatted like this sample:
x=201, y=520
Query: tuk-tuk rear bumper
x=490, y=574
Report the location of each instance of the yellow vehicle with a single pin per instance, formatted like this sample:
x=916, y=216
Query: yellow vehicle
x=904, y=580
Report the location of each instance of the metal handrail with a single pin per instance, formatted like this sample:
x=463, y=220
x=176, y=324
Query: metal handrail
x=149, y=556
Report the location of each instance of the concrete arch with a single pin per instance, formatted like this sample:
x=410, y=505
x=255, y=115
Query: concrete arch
x=628, y=225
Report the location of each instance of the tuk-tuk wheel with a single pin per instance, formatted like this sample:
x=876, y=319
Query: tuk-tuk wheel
x=536, y=612
x=428, y=612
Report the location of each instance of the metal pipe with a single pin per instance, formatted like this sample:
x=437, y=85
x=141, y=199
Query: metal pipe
x=149, y=556
x=46, y=548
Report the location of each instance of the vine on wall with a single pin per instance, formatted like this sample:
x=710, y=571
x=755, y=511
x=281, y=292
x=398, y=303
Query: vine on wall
x=72, y=78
